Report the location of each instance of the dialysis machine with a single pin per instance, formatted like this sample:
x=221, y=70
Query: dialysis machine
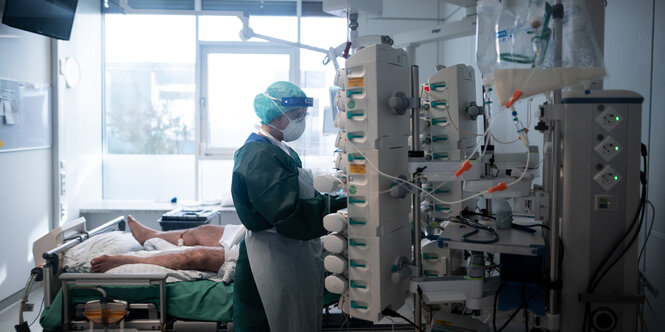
x=415, y=167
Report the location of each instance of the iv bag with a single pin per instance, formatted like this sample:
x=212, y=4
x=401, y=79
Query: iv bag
x=581, y=58
x=487, y=12
x=513, y=35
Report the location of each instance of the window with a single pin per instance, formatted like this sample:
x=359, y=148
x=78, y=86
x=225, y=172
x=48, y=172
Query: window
x=231, y=78
x=170, y=133
x=149, y=107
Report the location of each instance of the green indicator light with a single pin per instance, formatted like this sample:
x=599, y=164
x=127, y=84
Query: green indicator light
x=616, y=148
x=617, y=118
x=616, y=178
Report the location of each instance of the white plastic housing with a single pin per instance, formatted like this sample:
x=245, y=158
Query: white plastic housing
x=335, y=264
x=335, y=222
x=336, y=284
x=334, y=243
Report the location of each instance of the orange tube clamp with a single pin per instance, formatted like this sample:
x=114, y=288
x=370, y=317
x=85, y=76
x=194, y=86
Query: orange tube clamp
x=499, y=187
x=465, y=167
x=514, y=98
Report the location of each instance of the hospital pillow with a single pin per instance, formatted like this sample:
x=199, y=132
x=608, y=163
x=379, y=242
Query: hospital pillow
x=77, y=259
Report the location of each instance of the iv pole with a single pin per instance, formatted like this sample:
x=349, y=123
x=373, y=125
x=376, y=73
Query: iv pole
x=556, y=126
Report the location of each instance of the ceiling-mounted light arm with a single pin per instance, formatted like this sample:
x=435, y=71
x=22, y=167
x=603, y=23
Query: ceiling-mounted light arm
x=246, y=33
x=331, y=54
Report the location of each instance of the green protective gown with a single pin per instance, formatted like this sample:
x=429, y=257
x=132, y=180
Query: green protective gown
x=265, y=191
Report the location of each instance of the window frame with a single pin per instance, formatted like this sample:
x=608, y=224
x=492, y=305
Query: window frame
x=203, y=151
x=204, y=48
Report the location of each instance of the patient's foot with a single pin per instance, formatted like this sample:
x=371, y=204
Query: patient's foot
x=106, y=262
x=140, y=232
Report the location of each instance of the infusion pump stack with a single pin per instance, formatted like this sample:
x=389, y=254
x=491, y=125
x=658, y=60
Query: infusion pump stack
x=411, y=153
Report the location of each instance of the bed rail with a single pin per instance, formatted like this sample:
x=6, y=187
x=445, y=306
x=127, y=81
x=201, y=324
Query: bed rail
x=50, y=269
x=107, y=227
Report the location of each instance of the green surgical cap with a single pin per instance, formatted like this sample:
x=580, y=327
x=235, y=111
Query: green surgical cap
x=267, y=109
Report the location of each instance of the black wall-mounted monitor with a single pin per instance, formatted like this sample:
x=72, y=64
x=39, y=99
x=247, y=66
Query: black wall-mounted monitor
x=52, y=18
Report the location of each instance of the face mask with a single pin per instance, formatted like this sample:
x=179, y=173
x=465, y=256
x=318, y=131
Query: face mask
x=293, y=130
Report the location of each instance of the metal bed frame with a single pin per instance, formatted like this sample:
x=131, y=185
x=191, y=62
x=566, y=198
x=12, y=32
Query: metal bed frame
x=53, y=281
x=66, y=281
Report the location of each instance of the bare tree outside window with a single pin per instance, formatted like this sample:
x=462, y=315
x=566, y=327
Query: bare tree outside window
x=152, y=109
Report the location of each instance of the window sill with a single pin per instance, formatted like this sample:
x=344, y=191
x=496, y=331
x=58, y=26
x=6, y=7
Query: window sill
x=112, y=205
x=148, y=212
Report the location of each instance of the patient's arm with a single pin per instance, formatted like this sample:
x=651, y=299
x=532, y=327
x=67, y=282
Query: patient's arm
x=199, y=258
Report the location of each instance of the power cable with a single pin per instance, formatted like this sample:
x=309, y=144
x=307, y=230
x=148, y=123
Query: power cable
x=392, y=313
x=644, y=245
x=638, y=219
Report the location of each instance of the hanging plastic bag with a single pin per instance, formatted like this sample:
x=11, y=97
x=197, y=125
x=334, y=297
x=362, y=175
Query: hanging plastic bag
x=487, y=12
x=522, y=72
x=513, y=35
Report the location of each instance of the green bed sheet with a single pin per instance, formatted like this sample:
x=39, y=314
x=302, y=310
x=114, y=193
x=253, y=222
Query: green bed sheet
x=202, y=300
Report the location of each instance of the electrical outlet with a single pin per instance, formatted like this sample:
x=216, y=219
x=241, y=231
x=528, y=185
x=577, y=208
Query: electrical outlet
x=608, y=148
x=607, y=178
x=609, y=119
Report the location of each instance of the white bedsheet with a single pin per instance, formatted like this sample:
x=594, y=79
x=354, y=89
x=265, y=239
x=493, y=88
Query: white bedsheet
x=77, y=259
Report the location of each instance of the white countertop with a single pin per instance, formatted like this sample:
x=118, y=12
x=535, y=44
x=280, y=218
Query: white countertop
x=110, y=205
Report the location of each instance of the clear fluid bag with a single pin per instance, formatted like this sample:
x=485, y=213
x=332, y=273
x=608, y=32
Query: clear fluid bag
x=523, y=72
x=487, y=12
x=513, y=35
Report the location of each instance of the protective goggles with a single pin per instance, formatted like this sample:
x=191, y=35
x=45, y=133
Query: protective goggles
x=297, y=102
x=292, y=101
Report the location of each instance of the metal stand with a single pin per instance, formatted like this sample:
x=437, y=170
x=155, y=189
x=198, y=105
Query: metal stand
x=415, y=151
x=556, y=127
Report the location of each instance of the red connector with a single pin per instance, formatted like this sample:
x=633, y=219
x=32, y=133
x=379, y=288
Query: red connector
x=465, y=167
x=499, y=187
x=514, y=98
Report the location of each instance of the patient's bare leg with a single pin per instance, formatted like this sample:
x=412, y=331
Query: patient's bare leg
x=205, y=235
x=200, y=259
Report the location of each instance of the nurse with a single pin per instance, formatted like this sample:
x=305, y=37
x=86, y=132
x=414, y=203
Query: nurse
x=279, y=274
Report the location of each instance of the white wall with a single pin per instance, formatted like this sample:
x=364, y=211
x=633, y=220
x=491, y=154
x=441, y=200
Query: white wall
x=28, y=198
x=412, y=17
x=634, y=49
x=25, y=177
x=79, y=121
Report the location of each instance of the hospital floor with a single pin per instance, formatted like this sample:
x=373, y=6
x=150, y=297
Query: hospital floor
x=9, y=316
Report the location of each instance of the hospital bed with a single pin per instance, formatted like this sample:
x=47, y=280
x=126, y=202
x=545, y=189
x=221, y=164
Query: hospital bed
x=73, y=300
x=199, y=305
